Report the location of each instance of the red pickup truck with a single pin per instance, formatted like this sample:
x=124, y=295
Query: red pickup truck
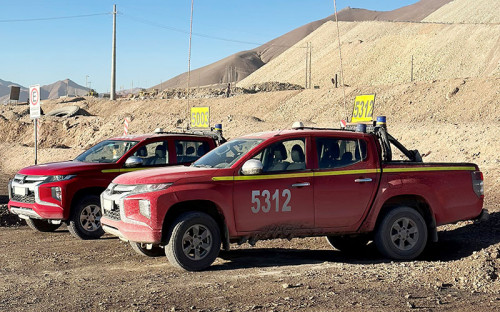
x=296, y=183
x=47, y=195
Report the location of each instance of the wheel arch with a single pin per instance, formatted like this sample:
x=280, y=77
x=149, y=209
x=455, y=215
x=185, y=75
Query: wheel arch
x=84, y=192
x=415, y=202
x=205, y=206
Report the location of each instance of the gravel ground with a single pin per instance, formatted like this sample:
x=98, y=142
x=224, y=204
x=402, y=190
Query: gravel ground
x=42, y=272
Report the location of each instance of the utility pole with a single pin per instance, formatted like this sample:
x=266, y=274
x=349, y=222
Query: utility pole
x=412, y=68
x=307, y=63
x=113, y=58
x=189, y=56
x=87, y=84
x=310, y=65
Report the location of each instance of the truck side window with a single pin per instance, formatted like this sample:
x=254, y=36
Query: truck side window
x=283, y=156
x=189, y=151
x=337, y=153
x=154, y=154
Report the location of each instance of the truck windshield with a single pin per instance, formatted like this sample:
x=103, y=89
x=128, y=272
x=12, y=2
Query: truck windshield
x=227, y=154
x=108, y=151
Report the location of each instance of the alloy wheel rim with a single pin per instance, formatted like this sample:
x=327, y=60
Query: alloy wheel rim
x=90, y=218
x=197, y=242
x=404, y=234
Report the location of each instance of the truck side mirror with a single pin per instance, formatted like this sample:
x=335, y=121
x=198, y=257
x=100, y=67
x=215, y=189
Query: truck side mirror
x=133, y=161
x=252, y=167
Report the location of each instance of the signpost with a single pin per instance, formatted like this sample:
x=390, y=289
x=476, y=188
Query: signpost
x=34, y=98
x=200, y=117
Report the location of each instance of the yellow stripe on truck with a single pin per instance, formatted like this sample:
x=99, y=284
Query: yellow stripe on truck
x=422, y=169
x=338, y=173
x=122, y=170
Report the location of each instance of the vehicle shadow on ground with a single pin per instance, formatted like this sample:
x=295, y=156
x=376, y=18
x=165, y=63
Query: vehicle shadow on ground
x=464, y=241
x=270, y=257
x=452, y=245
x=4, y=199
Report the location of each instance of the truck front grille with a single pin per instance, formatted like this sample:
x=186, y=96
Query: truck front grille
x=28, y=199
x=113, y=214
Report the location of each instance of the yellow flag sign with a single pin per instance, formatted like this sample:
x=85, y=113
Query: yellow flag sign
x=363, y=108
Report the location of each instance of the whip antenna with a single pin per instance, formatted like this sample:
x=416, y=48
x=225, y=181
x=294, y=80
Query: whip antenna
x=340, y=55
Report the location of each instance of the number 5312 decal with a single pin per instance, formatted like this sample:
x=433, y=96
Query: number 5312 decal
x=261, y=200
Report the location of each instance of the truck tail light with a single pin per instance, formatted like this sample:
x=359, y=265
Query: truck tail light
x=478, y=183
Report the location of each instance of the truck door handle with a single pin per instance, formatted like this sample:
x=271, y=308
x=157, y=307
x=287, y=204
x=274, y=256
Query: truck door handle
x=301, y=184
x=363, y=180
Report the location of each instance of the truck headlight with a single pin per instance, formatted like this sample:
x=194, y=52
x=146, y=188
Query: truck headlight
x=147, y=188
x=145, y=208
x=57, y=178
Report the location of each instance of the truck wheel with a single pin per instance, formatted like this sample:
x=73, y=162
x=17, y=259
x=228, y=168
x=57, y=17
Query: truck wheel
x=85, y=220
x=348, y=244
x=139, y=248
x=194, y=242
x=42, y=225
x=402, y=234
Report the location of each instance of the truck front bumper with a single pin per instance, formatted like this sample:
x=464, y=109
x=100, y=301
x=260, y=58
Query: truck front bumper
x=34, y=200
x=35, y=211
x=131, y=232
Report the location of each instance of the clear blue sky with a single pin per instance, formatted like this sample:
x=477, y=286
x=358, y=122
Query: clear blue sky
x=152, y=36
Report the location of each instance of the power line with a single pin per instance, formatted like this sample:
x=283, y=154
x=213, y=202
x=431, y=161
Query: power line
x=50, y=18
x=143, y=21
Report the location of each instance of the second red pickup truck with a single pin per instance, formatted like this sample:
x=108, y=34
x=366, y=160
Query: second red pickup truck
x=295, y=183
x=47, y=195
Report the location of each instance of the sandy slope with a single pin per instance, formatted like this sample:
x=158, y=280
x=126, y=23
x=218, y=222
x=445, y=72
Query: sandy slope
x=380, y=53
x=467, y=11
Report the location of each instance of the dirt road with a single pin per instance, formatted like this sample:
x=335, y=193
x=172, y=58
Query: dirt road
x=42, y=272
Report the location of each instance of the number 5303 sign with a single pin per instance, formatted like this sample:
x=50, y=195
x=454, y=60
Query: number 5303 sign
x=363, y=108
x=200, y=117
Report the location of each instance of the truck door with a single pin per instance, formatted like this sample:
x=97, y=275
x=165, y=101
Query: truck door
x=345, y=181
x=281, y=198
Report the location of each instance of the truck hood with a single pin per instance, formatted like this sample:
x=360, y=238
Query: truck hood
x=64, y=167
x=164, y=175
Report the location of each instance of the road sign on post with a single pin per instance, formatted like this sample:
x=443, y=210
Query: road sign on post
x=34, y=98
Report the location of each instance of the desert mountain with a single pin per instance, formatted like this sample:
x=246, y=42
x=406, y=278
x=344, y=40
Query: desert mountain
x=51, y=91
x=240, y=65
x=379, y=52
x=5, y=90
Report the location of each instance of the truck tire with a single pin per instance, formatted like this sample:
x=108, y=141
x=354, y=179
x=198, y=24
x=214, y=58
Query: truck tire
x=85, y=219
x=402, y=234
x=194, y=241
x=348, y=244
x=67, y=111
x=156, y=251
x=42, y=225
